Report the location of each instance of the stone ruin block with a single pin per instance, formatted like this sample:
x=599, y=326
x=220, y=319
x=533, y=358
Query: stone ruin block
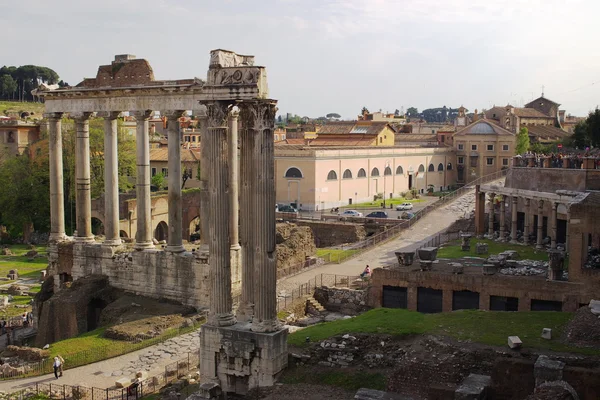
x=595, y=307
x=547, y=333
x=481, y=248
x=428, y=253
x=405, y=258
x=372, y=394
x=474, y=387
x=489, y=269
x=3, y=301
x=208, y=390
x=509, y=255
x=514, y=342
x=425, y=265
x=122, y=383
x=457, y=268
x=556, y=260
x=547, y=370
x=465, y=241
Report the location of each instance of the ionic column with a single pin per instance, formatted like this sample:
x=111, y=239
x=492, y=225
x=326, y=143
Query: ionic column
x=527, y=221
x=513, y=226
x=83, y=199
x=491, y=215
x=143, y=236
x=502, y=216
x=174, y=239
x=539, y=225
x=234, y=236
x=111, y=179
x=57, y=198
x=263, y=227
x=553, y=225
x=204, y=168
x=221, y=313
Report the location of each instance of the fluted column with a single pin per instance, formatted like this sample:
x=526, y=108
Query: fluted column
x=262, y=190
x=540, y=220
x=491, y=215
x=143, y=236
x=83, y=198
x=502, y=216
x=174, y=239
x=57, y=197
x=234, y=194
x=513, y=225
x=221, y=313
x=111, y=179
x=204, y=168
x=527, y=220
x=553, y=226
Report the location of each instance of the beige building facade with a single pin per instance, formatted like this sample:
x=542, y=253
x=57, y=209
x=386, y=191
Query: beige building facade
x=314, y=179
x=16, y=135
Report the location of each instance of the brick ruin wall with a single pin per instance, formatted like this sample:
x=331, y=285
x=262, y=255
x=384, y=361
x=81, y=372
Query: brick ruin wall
x=347, y=301
x=328, y=234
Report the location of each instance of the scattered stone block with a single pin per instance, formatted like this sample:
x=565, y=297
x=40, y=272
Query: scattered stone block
x=466, y=241
x=547, y=333
x=428, y=253
x=514, y=342
x=405, y=258
x=123, y=382
x=547, y=370
x=208, y=390
x=481, y=248
x=3, y=301
x=141, y=375
x=457, y=268
x=473, y=387
x=489, y=269
x=5, y=251
x=372, y=394
x=595, y=307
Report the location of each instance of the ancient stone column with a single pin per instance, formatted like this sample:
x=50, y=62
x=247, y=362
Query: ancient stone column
x=174, y=239
x=232, y=145
x=491, y=215
x=513, y=225
x=143, y=237
x=540, y=222
x=83, y=198
x=553, y=226
x=204, y=168
x=527, y=220
x=567, y=229
x=502, y=216
x=262, y=190
x=221, y=313
x=57, y=198
x=111, y=179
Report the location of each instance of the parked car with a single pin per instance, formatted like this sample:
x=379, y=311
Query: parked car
x=407, y=215
x=285, y=208
x=404, y=207
x=349, y=214
x=378, y=214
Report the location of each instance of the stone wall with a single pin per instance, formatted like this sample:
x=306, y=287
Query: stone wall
x=328, y=234
x=552, y=179
x=294, y=244
x=347, y=301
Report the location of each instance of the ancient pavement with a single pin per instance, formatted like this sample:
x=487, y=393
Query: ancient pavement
x=154, y=359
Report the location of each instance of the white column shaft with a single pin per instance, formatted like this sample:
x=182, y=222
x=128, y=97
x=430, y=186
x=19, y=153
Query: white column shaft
x=111, y=181
x=143, y=237
x=83, y=205
x=57, y=198
x=174, y=239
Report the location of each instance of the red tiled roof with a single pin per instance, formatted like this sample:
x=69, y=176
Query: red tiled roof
x=162, y=154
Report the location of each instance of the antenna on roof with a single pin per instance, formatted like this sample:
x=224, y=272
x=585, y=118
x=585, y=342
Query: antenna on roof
x=542, y=90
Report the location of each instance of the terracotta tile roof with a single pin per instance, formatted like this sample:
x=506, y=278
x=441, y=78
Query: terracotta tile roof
x=411, y=137
x=343, y=140
x=347, y=127
x=187, y=155
x=529, y=113
x=543, y=132
x=291, y=141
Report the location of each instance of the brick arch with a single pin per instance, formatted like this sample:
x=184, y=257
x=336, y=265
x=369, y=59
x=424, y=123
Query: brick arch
x=162, y=231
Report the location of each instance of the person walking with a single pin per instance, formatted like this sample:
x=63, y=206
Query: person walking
x=62, y=364
x=57, y=366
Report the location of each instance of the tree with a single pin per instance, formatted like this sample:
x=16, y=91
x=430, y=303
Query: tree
x=397, y=112
x=8, y=86
x=158, y=180
x=364, y=111
x=593, y=127
x=580, y=138
x=522, y=141
x=333, y=115
x=412, y=111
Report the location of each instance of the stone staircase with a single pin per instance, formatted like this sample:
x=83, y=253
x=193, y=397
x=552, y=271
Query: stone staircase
x=313, y=307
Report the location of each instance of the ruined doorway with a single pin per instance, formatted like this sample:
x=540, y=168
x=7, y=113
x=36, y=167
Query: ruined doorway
x=97, y=226
x=94, y=309
x=395, y=297
x=465, y=300
x=162, y=231
x=195, y=233
x=561, y=231
x=429, y=300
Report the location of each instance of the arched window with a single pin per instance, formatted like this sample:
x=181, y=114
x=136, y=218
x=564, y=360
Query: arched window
x=375, y=172
x=440, y=167
x=421, y=168
x=431, y=168
x=399, y=170
x=331, y=176
x=449, y=167
x=347, y=174
x=293, y=173
x=388, y=171
x=362, y=173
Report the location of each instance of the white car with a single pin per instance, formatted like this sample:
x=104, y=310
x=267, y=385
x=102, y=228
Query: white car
x=350, y=213
x=404, y=207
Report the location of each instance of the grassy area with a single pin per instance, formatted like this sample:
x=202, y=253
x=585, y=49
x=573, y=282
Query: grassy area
x=26, y=268
x=344, y=379
x=335, y=255
x=452, y=250
x=377, y=203
x=487, y=327
x=12, y=311
x=11, y=107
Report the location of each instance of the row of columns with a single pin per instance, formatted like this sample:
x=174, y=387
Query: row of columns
x=527, y=222
x=83, y=233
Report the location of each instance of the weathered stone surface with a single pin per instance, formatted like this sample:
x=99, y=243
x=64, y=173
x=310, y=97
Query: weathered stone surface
x=514, y=342
x=547, y=370
x=123, y=382
x=474, y=387
x=372, y=394
x=547, y=333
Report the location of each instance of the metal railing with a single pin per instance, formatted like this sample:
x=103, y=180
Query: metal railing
x=150, y=385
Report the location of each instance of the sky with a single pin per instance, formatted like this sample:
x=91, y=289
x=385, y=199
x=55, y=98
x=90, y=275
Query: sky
x=332, y=56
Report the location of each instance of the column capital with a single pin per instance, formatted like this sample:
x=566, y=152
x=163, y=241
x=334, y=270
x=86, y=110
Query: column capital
x=216, y=112
x=515, y=199
x=109, y=114
x=527, y=202
x=142, y=114
x=81, y=116
x=173, y=115
x=259, y=114
x=201, y=112
x=540, y=203
x=54, y=115
x=234, y=112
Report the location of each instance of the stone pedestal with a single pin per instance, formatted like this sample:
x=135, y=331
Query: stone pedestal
x=405, y=258
x=428, y=253
x=489, y=269
x=556, y=260
x=240, y=359
x=466, y=241
x=481, y=248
